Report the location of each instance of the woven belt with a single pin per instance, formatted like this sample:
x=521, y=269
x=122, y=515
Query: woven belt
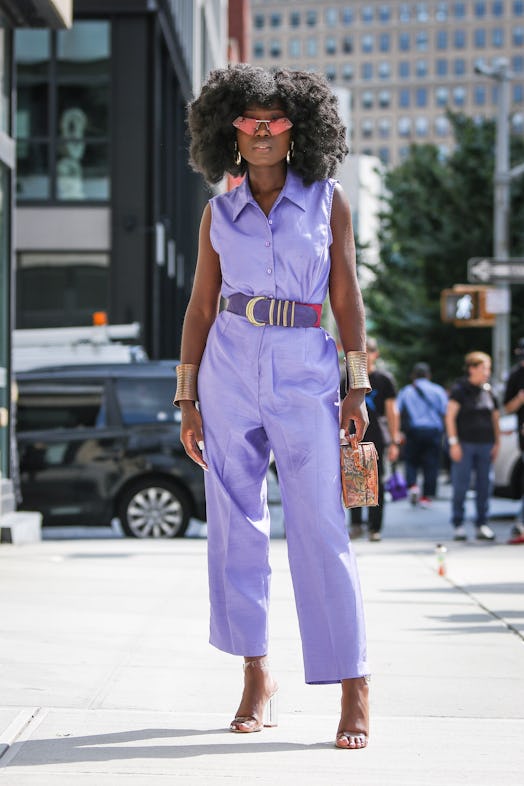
x=261, y=310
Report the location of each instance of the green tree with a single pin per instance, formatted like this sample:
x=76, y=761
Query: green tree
x=438, y=214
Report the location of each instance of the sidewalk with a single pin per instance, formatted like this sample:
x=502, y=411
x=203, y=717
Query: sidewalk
x=106, y=676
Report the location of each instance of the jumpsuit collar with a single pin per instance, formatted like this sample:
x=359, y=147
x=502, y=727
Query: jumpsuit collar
x=293, y=190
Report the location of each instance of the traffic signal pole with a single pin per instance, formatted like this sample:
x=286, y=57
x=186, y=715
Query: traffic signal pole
x=501, y=330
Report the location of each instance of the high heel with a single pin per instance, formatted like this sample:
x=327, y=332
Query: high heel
x=358, y=737
x=246, y=724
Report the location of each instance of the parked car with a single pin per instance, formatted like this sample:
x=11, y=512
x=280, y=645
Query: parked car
x=508, y=465
x=97, y=442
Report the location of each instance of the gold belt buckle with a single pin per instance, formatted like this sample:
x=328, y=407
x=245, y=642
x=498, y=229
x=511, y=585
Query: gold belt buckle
x=250, y=310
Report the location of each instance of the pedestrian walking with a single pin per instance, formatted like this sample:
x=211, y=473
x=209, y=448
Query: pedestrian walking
x=514, y=403
x=266, y=376
x=383, y=430
x=472, y=425
x=424, y=404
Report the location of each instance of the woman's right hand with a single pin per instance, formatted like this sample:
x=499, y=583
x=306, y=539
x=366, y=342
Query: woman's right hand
x=455, y=452
x=191, y=433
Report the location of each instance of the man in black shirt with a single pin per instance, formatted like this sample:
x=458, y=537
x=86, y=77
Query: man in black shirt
x=383, y=430
x=514, y=402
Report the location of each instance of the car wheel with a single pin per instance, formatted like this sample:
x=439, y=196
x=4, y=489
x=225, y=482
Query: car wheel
x=154, y=508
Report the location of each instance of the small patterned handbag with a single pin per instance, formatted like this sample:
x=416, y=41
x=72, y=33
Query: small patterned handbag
x=359, y=470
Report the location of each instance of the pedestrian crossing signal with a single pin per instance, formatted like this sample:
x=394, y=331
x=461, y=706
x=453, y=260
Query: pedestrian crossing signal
x=465, y=306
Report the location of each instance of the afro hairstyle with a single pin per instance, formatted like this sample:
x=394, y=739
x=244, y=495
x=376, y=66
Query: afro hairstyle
x=318, y=132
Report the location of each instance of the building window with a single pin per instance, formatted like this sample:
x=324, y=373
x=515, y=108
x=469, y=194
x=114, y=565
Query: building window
x=275, y=20
x=517, y=122
x=497, y=37
x=384, y=69
x=403, y=42
x=294, y=19
x=384, y=128
x=518, y=64
x=459, y=96
x=258, y=49
x=518, y=8
x=347, y=44
x=498, y=8
x=479, y=38
x=422, y=41
x=459, y=39
x=480, y=9
x=441, y=14
x=404, y=126
x=295, y=47
x=331, y=17
x=367, y=14
x=312, y=46
x=330, y=45
x=442, y=39
x=385, y=42
x=441, y=96
x=275, y=48
x=347, y=72
x=331, y=73
x=367, y=99
x=366, y=69
x=442, y=67
x=404, y=13
x=384, y=13
x=459, y=66
x=347, y=15
x=421, y=68
x=384, y=155
x=367, y=128
x=479, y=95
x=63, y=113
x=518, y=93
x=422, y=12
x=421, y=96
x=459, y=10
x=421, y=126
x=384, y=99
x=403, y=97
x=311, y=18
x=367, y=43
x=441, y=126
x=404, y=69
x=518, y=36
x=259, y=21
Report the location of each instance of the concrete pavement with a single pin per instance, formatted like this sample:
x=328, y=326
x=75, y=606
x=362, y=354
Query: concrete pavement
x=106, y=676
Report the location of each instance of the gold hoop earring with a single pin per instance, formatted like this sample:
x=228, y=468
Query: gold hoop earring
x=290, y=152
x=238, y=157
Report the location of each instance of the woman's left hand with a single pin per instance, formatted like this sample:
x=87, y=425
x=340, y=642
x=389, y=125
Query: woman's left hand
x=354, y=409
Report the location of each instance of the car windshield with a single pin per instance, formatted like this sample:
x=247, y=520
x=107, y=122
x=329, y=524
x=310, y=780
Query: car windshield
x=146, y=400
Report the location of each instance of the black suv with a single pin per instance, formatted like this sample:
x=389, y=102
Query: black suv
x=102, y=441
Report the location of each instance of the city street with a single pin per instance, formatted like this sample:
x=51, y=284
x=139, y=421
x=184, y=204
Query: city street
x=106, y=675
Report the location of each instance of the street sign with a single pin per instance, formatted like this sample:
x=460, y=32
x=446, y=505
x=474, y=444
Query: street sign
x=487, y=270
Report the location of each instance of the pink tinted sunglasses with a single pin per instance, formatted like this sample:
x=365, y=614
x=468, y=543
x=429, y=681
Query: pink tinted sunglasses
x=249, y=125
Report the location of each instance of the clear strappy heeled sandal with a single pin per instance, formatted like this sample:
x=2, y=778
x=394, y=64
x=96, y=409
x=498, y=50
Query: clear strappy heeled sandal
x=357, y=739
x=246, y=724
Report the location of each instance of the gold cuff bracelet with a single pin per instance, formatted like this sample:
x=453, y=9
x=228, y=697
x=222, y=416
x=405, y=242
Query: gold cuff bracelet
x=357, y=371
x=186, y=383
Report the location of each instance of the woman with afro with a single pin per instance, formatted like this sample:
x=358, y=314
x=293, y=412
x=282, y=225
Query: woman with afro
x=266, y=377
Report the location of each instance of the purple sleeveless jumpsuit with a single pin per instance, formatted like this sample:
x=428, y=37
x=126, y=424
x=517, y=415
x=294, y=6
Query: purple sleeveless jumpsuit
x=277, y=387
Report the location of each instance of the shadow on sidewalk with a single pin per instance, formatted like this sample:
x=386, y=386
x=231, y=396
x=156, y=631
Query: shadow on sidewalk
x=103, y=747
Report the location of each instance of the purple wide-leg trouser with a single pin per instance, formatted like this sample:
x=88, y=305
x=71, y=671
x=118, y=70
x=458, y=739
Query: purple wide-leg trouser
x=273, y=387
